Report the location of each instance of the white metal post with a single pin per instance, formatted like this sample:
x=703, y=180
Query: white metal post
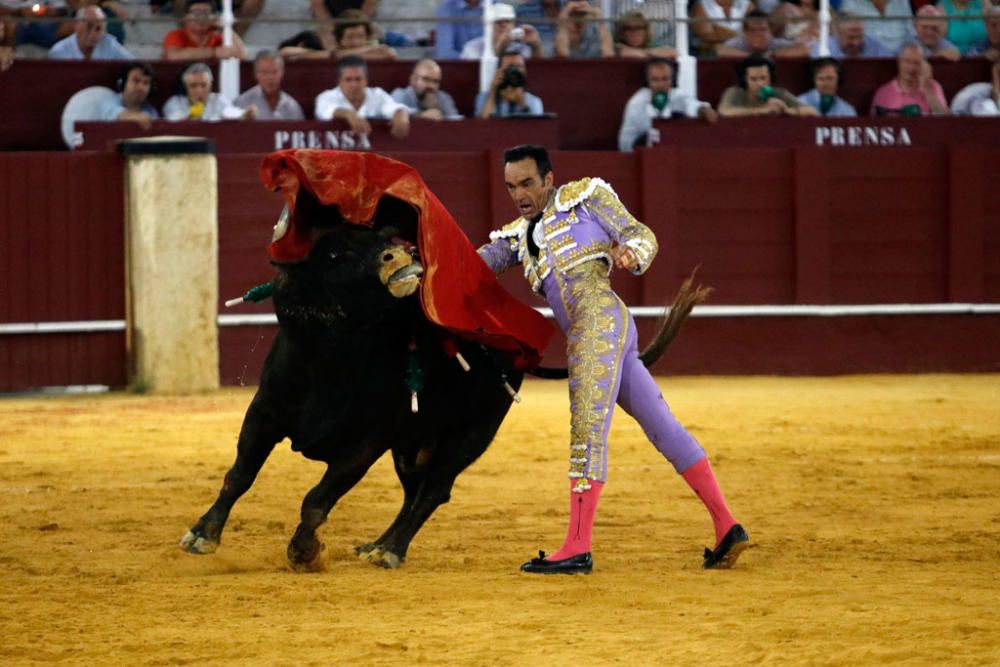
x=687, y=82
x=824, y=28
x=488, y=62
x=229, y=68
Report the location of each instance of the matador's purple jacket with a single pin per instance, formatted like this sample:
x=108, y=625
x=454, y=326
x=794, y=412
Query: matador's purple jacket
x=575, y=234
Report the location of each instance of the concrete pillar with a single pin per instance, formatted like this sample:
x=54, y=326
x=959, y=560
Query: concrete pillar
x=172, y=283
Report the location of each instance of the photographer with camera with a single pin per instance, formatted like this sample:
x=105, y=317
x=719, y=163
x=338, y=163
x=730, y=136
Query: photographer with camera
x=506, y=37
x=508, y=95
x=756, y=94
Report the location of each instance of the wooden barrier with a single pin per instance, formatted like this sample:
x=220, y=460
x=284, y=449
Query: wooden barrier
x=793, y=224
x=235, y=136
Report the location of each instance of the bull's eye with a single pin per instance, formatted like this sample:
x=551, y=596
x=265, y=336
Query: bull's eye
x=387, y=257
x=334, y=255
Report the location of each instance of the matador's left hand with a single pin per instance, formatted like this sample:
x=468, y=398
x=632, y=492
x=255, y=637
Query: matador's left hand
x=625, y=257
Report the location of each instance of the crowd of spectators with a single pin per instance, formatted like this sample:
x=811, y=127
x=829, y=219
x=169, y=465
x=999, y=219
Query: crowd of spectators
x=537, y=28
x=756, y=32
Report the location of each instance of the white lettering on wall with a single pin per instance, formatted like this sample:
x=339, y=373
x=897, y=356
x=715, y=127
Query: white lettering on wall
x=862, y=135
x=328, y=139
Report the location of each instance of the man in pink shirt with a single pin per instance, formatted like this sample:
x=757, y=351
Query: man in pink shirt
x=913, y=92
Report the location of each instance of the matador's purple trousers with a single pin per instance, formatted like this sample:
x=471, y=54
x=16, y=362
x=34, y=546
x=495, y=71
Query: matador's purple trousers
x=604, y=368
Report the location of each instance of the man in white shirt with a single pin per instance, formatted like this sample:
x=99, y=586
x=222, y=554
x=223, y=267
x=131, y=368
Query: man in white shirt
x=199, y=102
x=658, y=99
x=353, y=101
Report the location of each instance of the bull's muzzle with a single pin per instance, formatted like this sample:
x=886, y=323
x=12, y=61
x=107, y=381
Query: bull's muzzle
x=399, y=271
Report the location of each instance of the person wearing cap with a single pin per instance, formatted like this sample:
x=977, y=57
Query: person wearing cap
x=506, y=37
x=930, y=26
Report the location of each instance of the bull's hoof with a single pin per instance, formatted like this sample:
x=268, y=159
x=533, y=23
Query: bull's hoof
x=307, y=558
x=379, y=556
x=194, y=544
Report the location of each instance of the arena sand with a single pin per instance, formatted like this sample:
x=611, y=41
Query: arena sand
x=873, y=504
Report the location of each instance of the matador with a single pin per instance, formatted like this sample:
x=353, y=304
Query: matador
x=567, y=239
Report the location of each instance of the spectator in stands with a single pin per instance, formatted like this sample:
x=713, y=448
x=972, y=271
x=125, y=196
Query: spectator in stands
x=979, y=99
x=990, y=45
x=634, y=38
x=114, y=11
x=755, y=95
x=542, y=15
x=850, y=41
x=6, y=52
x=523, y=39
x=826, y=75
x=200, y=37
x=461, y=21
x=309, y=44
x=659, y=98
x=90, y=40
x=914, y=91
x=325, y=10
x=355, y=36
x=267, y=99
x=582, y=32
x=353, y=101
x=716, y=21
x=795, y=20
x=199, y=102
x=34, y=29
x=134, y=84
x=964, y=26
x=892, y=32
x=424, y=97
x=508, y=94
x=757, y=40
x=930, y=26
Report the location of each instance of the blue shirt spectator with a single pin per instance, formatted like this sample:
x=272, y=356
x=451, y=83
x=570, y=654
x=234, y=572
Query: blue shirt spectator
x=107, y=49
x=113, y=108
x=850, y=41
x=531, y=11
x=451, y=35
x=90, y=39
x=839, y=108
x=532, y=106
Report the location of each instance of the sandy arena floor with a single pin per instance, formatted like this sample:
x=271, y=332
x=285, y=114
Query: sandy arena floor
x=873, y=503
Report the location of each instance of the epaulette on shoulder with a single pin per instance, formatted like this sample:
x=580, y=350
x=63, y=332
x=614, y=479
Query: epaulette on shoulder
x=515, y=228
x=575, y=192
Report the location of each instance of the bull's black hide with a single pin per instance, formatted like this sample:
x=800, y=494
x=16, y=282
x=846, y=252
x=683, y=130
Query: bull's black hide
x=336, y=384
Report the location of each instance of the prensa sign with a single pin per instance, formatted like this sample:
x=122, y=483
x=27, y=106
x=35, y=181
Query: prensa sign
x=862, y=135
x=345, y=140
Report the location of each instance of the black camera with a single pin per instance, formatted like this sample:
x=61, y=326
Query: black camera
x=512, y=77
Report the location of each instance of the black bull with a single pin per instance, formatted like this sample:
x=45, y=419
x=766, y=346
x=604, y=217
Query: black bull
x=352, y=343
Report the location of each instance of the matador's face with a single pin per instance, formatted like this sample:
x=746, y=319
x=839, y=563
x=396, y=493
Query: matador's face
x=528, y=189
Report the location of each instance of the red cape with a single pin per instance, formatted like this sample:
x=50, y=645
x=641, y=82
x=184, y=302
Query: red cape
x=458, y=290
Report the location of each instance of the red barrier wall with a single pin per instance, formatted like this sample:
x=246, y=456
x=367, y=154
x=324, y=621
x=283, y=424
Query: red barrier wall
x=62, y=252
x=801, y=224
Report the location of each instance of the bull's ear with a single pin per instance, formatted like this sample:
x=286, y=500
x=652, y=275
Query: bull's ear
x=387, y=231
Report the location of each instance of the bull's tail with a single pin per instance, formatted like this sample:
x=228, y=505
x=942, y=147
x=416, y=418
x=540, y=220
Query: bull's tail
x=688, y=296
